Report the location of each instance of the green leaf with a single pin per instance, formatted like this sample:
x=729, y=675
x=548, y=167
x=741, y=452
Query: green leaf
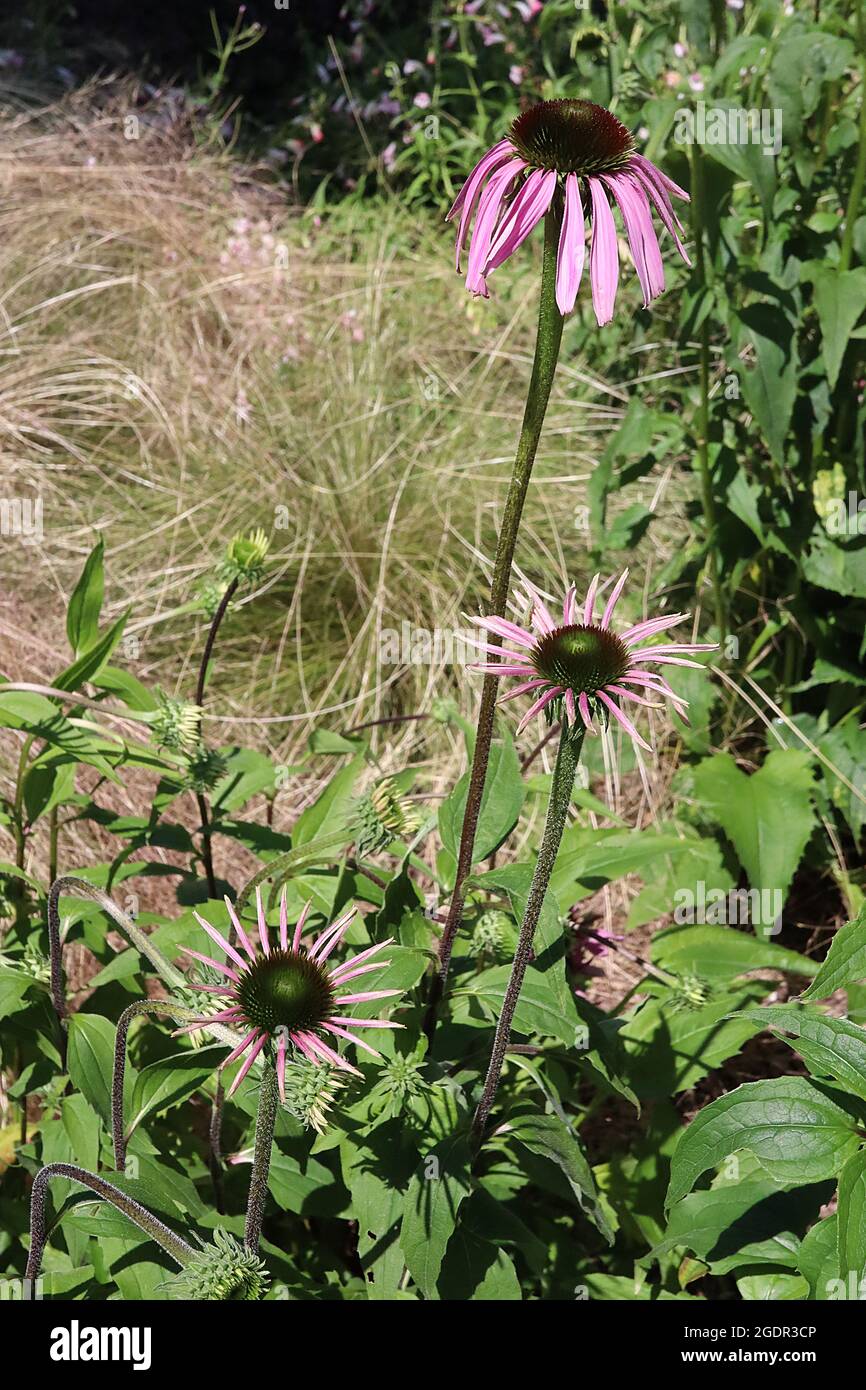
x=818, y=1257
x=171, y=1080
x=436, y=1190
x=845, y=963
x=768, y=817
x=331, y=810
x=795, y=1129
x=840, y=298
x=851, y=1211
x=501, y=804
x=91, y=661
x=722, y=953
x=90, y=1060
x=14, y=986
x=830, y=1047
x=540, y=1008
x=770, y=387
x=550, y=1137
x=672, y=1048
x=716, y=1225
x=476, y=1270
x=841, y=569
x=85, y=605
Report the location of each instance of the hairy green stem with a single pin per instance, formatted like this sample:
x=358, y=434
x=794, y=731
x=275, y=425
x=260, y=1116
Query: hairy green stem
x=201, y=799
x=171, y=1243
x=265, y=1120
x=549, y=335
x=215, y=1130
x=141, y=1006
x=314, y=852
x=708, y=502
x=567, y=757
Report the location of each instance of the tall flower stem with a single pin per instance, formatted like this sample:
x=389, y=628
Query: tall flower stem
x=141, y=1006
x=548, y=338
x=265, y=1121
x=567, y=757
x=708, y=502
x=179, y=1250
x=201, y=799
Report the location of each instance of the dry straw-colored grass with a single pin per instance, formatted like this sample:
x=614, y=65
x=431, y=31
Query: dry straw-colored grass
x=183, y=356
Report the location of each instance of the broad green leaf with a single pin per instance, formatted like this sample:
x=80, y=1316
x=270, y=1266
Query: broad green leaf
x=717, y=1224
x=82, y=1129
x=818, y=1258
x=839, y=568
x=768, y=817
x=830, y=1047
x=439, y=1185
x=722, y=953
x=90, y=1060
x=539, y=1008
x=771, y=1287
x=770, y=386
x=332, y=809
x=91, y=661
x=851, y=1212
x=840, y=298
x=845, y=963
x=551, y=1138
x=504, y=792
x=85, y=605
x=377, y=1207
x=671, y=1048
x=474, y=1270
x=795, y=1129
x=14, y=987
x=171, y=1080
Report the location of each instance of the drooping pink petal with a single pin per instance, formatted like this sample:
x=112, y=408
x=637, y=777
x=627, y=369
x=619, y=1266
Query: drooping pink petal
x=359, y=1042
x=569, y=707
x=522, y=689
x=524, y=214
x=541, y=616
x=341, y=926
x=664, y=208
x=242, y=1047
x=623, y=719
x=227, y=1016
x=568, y=605
x=485, y=223
x=589, y=606
x=675, y=649
x=495, y=669
x=572, y=247
x=299, y=1041
x=541, y=703
x=281, y=1066
x=238, y=926
x=366, y=1022
x=630, y=695
x=613, y=600
x=672, y=661
x=585, y=713
x=220, y=940
x=492, y=649
x=330, y=1055
x=207, y=960
x=658, y=176
x=345, y=976
x=634, y=206
x=254, y=1052
x=603, y=255
x=263, y=926
x=469, y=193
x=212, y=989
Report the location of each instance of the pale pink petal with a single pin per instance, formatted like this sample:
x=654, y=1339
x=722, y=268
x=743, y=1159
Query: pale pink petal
x=585, y=713
x=330, y=1055
x=284, y=922
x=568, y=605
x=301, y=923
x=227, y=1016
x=569, y=707
x=572, y=247
x=359, y=1042
x=220, y=940
x=361, y=970
x=676, y=648
x=212, y=989
x=495, y=669
x=510, y=631
x=635, y=209
x=614, y=597
x=241, y=1047
x=485, y=223
x=589, y=607
x=367, y=994
x=522, y=689
x=242, y=936
x=254, y=1052
x=206, y=960
x=356, y=960
x=469, y=193
x=366, y=1023
x=664, y=208
x=340, y=929
x=658, y=176
x=494, y=650
x=263, y=926
x=623, y=719
x=603, y=255
x=541, y=703
x=630, y=695
x=650, y=627
x=524, y=214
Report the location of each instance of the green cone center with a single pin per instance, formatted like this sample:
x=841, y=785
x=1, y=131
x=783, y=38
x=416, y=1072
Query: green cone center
x=572, y=137
x=285, y=990
x=580, y=658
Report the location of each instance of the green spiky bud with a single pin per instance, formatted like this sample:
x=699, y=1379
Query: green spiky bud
x=401, y=1085
x=310, y=1092
x=383, y=815
x=204, y=768
x=245, y=557
x=175, y=724
x=209, y=595
x=490, y=933
x=691, y=992
x=221, y=1272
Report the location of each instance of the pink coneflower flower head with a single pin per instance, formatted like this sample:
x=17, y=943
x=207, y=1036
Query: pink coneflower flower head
x=287, y=995
x=577, y=156
x=577, y=667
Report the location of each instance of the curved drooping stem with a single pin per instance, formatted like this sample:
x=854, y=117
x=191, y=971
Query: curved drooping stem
x=141, y=1006
x=265, y=1120
x=547, y=343
x=172, y=1244
x=567, y=757
x=139, y=939
x=201, y=799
